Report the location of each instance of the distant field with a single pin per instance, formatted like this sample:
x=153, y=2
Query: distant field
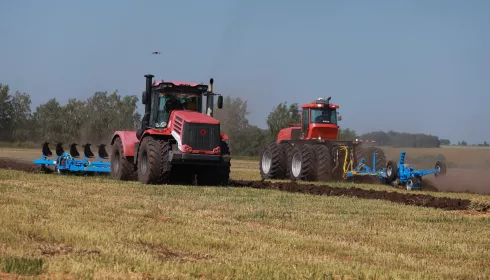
x=462, y=156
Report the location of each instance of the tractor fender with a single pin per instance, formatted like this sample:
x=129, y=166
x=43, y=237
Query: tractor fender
x=128, y=139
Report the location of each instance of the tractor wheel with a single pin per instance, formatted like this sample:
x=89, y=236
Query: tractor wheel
x=324, y=163
x=153, y=165
x=338, y=165
x=225, y=168
x=273, y=162
x=391, y=171
x=367, y=153
x=121, y=168
x=442, y=167
x=303, y=163
x=287, y=151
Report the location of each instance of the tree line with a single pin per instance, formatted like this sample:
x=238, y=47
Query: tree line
x=96, y=118
x=91, y=120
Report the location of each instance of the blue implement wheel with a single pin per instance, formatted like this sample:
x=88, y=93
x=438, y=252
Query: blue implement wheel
x=412, y=183
x=441, y=166
x=391, y=171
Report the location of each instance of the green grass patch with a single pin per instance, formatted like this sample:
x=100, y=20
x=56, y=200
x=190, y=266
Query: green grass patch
x=22, y=266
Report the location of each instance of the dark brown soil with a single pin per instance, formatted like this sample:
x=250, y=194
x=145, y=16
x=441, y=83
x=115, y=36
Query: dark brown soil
x=18, y=164
x=397, y=197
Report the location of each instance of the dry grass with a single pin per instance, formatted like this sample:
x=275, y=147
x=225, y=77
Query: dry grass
x=84, y=228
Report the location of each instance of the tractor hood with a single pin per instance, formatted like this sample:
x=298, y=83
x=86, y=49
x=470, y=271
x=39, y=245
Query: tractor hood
x=195, y=117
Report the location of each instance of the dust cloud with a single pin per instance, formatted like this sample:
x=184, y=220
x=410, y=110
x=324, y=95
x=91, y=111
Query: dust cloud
x=461, y=180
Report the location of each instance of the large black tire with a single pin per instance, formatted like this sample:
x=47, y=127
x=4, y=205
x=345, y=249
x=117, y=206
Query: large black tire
x=225, y=168
x=304, y=163
x=324, y=163
x=153, y=164
x=216, y=175
x=391, y=172
x=121, y=167
x=273, y=162
x=367, y=153
x=338, y=167
x=287, y=151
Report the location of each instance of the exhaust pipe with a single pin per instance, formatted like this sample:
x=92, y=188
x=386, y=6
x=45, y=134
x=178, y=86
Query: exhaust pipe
x=146, y=99
x=210, y=99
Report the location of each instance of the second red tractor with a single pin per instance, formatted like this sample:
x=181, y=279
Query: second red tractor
x=312, y=151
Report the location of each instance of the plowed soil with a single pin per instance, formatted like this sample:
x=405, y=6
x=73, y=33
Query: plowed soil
x=403, y=198
x=18, y=164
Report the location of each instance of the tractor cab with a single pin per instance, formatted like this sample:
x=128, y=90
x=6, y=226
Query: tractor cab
x=173, y=96
x=319, y=120
x=168, y=96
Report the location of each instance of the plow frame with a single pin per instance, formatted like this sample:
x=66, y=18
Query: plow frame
x=67, y=162
x=399, y=174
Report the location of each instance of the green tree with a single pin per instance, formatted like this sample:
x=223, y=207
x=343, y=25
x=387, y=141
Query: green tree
x=347, y=134
x=47, y=118
x=6, y=111
x=234, y=121
x=74, y=117
x=281, y=116
x=21, y=117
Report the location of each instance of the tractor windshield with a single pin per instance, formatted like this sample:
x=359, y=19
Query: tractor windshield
x=176, y=101
x=323, y=116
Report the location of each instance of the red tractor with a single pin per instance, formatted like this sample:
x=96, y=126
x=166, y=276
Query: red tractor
x=311, y=151
x=177, y=142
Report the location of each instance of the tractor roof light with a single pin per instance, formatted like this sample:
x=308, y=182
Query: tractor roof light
x=323, y=100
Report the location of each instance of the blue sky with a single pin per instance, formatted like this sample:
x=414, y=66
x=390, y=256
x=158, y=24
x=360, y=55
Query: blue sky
x=415, y=66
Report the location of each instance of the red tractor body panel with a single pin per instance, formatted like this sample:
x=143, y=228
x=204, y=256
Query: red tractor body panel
x=193, y=116
x=323, y=131
x=128, y=139
x=287, y=133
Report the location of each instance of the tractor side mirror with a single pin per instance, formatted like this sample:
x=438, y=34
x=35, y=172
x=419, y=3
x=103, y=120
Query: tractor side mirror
x=220, y=102
x=339, y=118
x=143, y=97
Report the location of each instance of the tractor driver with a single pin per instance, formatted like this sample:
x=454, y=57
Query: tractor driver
x=323, y=118
x=173, y=104
x=191, y=104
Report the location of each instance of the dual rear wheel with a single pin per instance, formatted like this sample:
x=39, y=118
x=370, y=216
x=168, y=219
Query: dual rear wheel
x=300, y=162
x=155, y=168
x=312, y=162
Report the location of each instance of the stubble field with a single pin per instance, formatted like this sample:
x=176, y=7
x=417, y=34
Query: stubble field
x=77, y=227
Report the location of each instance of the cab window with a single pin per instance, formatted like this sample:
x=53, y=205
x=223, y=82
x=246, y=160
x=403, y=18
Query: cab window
x=325, y=116
x=304, y=124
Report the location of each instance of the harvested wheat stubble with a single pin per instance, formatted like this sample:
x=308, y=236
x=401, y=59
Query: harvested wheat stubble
x=403, y=198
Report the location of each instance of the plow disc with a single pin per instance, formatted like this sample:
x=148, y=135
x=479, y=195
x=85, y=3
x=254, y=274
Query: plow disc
x=70, y=162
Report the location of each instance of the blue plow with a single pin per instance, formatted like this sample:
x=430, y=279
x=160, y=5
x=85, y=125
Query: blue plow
x=69, y=162
x=397, y=173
